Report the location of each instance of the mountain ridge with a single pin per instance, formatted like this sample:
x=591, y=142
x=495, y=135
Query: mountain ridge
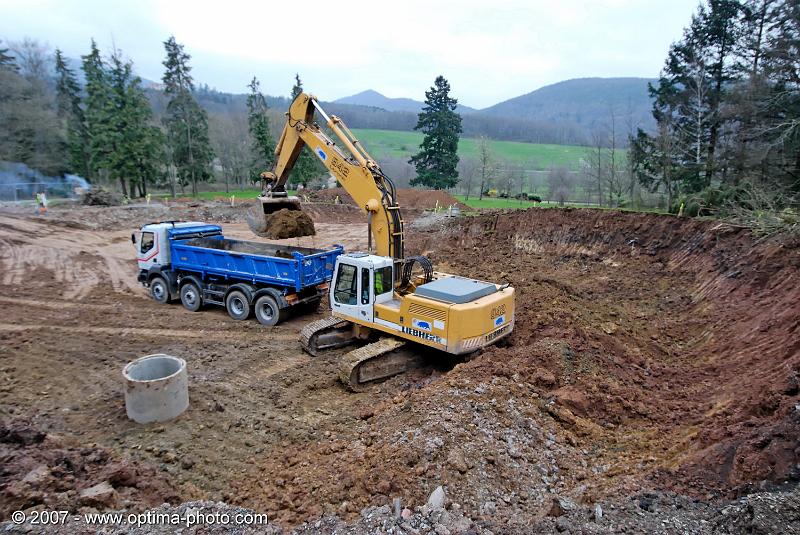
x=585, y=102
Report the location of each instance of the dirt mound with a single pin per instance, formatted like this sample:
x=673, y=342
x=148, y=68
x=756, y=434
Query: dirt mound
x=283, y=224
x=100, y=196
x=57, y=473
x=406, y=197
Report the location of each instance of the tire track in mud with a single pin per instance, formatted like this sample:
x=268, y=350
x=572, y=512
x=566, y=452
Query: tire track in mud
x=215, y=336
x=79, y=260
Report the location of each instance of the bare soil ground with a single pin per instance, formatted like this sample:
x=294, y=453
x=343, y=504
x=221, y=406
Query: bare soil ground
x=650, y=354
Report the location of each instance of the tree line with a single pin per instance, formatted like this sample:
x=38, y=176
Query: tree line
x=727, y=109
x=103, y=127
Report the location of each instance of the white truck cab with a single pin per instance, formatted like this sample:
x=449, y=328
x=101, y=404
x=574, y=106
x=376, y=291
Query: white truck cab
x=360, y=280
x=152, y=242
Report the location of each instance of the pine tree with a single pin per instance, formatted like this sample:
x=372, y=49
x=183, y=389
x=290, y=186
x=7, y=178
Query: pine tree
x=297, y=88
x=70, y=112
x=780, y=125
x=7, y=61
x=98, y=114
x=186, y=122
x=437, y=159
x=688, y=100
x=307, y=167
x=136, y=142
x=263, y=147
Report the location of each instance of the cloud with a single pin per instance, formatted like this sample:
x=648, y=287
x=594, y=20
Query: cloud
x=489, y=51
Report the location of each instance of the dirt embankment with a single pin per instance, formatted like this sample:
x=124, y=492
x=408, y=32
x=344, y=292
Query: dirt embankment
x=698, y=341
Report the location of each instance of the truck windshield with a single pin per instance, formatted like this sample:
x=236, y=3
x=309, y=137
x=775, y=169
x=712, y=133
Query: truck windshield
x=345, y=291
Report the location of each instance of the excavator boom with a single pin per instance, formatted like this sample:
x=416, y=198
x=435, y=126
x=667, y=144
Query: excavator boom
x=349, y=163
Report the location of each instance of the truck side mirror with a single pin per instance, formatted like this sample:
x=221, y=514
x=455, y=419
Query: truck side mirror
x=133, y=238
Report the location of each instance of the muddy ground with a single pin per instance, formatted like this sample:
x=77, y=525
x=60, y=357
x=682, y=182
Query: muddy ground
x=651, y=355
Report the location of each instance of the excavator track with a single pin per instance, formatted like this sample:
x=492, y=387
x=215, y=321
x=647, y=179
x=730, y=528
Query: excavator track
x=327, y=333
x=375, y=361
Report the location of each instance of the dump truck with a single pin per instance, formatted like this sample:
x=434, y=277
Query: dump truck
x=196, y=263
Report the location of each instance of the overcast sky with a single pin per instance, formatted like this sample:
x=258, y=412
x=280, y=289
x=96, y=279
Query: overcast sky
x=489, y=50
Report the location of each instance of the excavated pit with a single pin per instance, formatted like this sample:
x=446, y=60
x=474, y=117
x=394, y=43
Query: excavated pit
x=650, y=354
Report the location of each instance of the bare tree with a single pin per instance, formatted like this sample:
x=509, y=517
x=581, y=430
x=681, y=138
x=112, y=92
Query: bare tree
x=485, y=164
x=230, y=139
x=561, y=183
x=596, y=163
x=467, y=169
x=35, y=61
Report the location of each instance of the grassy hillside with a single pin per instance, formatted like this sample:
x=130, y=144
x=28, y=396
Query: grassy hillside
x=538, y=156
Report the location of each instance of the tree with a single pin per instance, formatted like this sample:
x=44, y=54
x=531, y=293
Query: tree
x=307, y=167
x=655, y=161
x=437, y=160
x=136, y=143
x=231, y=140
x=561, y=183
x=70, y=112
x=30, y=132
x=186, y=122
x=485, y=165
x=692, y=87
x=97, y=114
x=297, y=88
x=263, y=146
x=7, y=61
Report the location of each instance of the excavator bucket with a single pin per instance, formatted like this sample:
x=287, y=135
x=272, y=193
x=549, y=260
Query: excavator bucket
x=279, y=218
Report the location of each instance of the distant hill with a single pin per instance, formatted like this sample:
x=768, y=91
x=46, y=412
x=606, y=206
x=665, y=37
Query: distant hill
x=585, y=102
x=374, y=99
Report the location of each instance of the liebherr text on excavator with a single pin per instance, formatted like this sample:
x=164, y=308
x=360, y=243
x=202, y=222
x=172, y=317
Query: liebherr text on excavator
x=381, y=298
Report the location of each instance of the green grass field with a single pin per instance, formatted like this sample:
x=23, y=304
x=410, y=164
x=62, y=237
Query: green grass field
x=382, y=143
x=493, y=202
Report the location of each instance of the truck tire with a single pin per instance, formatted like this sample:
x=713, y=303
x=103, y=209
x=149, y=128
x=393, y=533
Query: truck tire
x=237, y=305
x=267, y=311
x=191, y=297
x=159, y=290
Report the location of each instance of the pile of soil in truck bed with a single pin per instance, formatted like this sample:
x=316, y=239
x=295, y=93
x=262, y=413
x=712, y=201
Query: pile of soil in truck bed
x=287, y=224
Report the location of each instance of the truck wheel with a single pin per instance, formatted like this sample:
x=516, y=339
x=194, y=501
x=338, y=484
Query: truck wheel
x=267, y=311
x=159, y=290
x=237, y=305
x=190, y=297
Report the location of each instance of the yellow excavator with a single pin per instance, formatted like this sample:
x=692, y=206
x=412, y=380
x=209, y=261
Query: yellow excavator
x=380, y=298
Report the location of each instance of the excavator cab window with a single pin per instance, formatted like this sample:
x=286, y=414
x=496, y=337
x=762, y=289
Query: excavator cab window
x=364, y=286
x=346, y=292
x=383, y=280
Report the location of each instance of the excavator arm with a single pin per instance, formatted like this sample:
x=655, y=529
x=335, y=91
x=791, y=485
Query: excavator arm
x=349, y=163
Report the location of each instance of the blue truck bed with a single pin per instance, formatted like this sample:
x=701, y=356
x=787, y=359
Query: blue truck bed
x=205, y=251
